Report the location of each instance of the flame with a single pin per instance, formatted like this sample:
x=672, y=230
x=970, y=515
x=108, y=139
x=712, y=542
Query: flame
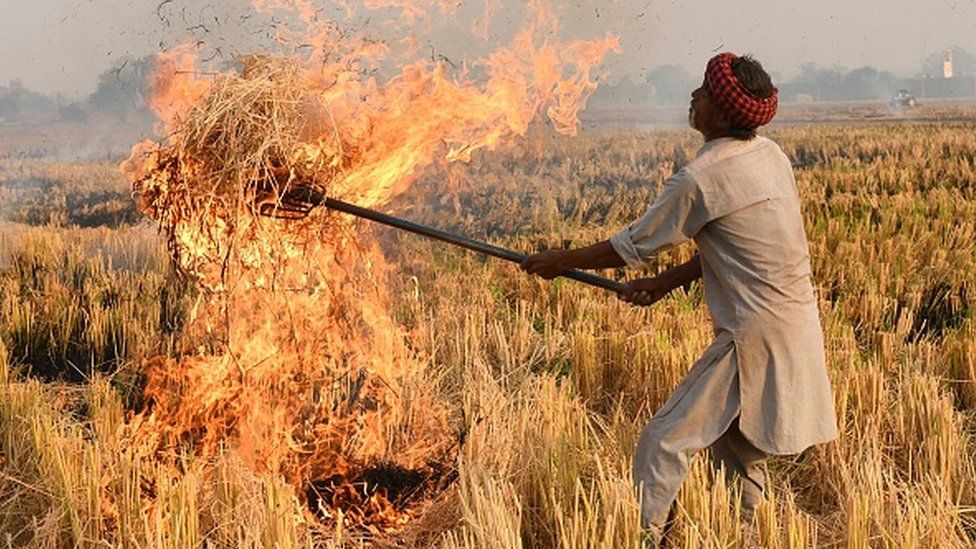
x=175, y=85
x=300, y=369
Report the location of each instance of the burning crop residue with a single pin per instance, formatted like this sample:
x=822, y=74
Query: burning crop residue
x=299, y=368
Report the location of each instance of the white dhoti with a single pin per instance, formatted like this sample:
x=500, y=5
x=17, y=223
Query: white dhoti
x=702, y=412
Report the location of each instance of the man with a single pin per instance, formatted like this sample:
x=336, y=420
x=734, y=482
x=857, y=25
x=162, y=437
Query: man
x=761, y=387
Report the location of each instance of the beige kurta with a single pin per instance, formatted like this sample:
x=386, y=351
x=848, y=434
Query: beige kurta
x=738, y=201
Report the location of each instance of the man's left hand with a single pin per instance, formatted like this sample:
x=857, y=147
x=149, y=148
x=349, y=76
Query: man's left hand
x=548, y=264
x=645, y=291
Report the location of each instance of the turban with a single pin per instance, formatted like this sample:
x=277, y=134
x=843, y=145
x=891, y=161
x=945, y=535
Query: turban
x=743, y=107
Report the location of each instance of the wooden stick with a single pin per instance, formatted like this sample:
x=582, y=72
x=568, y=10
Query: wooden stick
x=464, y=242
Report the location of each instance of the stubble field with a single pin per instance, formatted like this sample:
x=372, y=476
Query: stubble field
x=549, y=382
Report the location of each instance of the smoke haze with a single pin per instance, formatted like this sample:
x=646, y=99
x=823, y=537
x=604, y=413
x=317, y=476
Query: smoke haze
x=62, y=46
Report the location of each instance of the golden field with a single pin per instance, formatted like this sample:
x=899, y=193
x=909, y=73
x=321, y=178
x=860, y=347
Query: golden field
x=549, y=382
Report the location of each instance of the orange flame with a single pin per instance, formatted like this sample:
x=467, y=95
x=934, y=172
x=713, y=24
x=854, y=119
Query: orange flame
x=404, y=122
x=175, y=85
x=300, y=369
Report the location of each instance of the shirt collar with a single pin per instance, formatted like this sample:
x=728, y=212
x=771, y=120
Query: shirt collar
x=726, y=142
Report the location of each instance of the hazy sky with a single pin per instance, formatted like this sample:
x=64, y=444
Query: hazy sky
x=63, y=45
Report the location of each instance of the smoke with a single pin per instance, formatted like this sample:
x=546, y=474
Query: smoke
x=63, y=48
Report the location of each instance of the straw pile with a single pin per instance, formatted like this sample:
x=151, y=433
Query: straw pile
x=298, y=366
x=256, y=134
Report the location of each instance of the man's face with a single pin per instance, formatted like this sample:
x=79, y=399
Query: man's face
x=704, y=114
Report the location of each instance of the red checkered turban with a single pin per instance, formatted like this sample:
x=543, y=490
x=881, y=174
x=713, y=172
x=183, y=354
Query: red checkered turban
x=743, y=108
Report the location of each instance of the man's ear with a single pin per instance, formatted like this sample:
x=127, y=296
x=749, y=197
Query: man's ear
x=724, y=123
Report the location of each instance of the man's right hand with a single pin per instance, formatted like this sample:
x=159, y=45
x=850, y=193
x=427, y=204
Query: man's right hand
x=548, y=264
x=645, y=291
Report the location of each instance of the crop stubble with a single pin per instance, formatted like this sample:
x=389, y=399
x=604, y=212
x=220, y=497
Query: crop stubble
x=551, y=381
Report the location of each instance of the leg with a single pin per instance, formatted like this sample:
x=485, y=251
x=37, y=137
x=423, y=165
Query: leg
x=701, y=408
x=743, y=464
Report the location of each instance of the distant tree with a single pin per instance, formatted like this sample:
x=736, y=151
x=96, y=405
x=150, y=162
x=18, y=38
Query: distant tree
x=72, y=112
x=839, y=84
x=671, y=84
x=808, y=72
x=19, y=104
x=820, y=84
x=622, y=94
x=868, y=83
x=121, y=90
x=963, y=63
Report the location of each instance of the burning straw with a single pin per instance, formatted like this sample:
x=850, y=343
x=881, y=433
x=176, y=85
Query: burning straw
x=305, y=375
x=298, y=367
x=249, y=140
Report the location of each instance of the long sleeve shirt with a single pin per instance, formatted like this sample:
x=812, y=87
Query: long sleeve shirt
x=738, y=201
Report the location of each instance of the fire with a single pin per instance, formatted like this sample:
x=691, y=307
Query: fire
x=299, y=367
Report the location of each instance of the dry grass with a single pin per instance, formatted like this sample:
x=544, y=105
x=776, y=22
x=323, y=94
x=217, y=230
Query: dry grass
x=46, y=192
x=78, y=301
x=552, y=381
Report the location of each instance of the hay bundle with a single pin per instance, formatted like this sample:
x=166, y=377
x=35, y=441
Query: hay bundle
x=254, y=136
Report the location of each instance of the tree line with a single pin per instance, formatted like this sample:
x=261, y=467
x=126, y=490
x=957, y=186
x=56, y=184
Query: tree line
x=672, y=84
x=121, y=91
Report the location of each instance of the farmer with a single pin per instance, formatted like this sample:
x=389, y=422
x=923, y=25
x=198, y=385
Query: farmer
x=761, y=387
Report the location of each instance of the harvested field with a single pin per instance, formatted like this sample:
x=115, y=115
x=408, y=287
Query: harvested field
x=544, y=385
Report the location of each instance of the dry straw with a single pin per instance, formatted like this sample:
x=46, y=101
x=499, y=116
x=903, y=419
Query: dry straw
x=253, y=136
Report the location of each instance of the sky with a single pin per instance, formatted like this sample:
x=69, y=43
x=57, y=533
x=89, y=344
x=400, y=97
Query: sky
x=62, y=46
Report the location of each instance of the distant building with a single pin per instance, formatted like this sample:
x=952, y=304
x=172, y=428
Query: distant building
x=950, y=86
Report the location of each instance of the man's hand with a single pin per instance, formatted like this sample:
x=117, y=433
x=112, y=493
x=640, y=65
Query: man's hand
x=548, y=264
x=645, y=291
x=552, y=263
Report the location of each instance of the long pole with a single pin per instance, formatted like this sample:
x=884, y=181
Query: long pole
x=464, y=242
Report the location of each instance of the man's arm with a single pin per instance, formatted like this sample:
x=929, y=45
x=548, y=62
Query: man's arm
x=552, y=263
x=647, y=291
x=642, y=291
x=675, y=217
